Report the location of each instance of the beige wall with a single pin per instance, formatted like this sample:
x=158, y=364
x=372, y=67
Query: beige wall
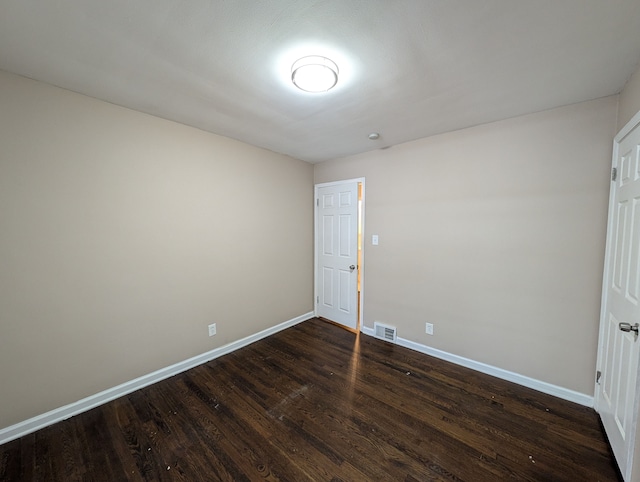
x=496, y=235
x=124, y=235
x=629, y=103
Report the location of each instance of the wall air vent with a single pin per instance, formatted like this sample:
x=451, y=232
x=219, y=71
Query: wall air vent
x=385, y=332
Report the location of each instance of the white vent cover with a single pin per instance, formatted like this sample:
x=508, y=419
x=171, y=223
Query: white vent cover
x=384, y=332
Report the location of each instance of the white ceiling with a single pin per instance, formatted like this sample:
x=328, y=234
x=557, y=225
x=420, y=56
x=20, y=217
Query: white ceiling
x=409, y=68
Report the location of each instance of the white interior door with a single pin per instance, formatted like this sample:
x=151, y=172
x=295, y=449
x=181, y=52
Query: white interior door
x=618, y=346
x=337, y=252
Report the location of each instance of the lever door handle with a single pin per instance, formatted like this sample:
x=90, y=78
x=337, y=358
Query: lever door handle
x=627, y=327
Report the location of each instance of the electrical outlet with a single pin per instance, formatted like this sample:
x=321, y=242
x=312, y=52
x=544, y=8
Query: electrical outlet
x=212, y=329
x=429, y=328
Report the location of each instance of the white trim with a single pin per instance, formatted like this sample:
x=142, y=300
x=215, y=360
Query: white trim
x=525, y=381
x=49, y=418
x=335, y=183
x=607, y=265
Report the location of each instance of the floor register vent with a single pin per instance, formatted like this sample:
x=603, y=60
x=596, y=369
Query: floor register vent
x=385, y=332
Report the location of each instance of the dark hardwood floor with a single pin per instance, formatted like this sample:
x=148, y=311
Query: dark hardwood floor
x=316, y=402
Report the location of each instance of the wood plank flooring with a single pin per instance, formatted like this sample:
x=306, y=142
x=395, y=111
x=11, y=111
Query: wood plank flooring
x=316, y=402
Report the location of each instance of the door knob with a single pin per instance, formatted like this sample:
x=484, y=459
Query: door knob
x=627, y=327
x=353, y=266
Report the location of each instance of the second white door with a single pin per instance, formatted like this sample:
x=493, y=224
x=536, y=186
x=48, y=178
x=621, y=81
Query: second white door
x=337, y=252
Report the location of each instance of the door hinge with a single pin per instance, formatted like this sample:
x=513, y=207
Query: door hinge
x=598, y=375
x=317, y=202
x=614, y=173
x=317, y=299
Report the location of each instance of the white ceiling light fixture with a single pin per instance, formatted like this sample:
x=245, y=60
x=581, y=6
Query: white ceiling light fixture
x=314, y=73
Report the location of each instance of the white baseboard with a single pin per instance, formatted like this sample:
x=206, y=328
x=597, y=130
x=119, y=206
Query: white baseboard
x=49, y=418
x=544, y=387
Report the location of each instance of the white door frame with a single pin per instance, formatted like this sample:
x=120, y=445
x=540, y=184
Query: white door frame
x=626, y=471
x=359, y=180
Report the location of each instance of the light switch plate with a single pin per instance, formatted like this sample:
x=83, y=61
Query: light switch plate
x=374, y=239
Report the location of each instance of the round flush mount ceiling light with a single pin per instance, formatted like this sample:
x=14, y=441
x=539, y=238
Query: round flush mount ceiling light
x=314, y=74
x=374, y=136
